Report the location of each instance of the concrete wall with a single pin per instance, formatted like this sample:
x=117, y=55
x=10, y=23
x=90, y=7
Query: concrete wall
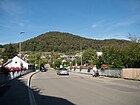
x=131, y=73
x=6, y=76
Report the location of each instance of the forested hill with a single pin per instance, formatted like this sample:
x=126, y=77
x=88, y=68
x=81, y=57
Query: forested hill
x=65, y=42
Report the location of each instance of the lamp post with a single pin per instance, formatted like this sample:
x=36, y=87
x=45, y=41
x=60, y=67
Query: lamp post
x=20, y=43
x=81, y=54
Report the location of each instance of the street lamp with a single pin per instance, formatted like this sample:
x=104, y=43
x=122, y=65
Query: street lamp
x=81, y=54
x=20, y=43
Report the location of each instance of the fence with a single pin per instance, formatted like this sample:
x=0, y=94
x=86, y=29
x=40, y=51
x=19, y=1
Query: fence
x=85, y=71
x=128, y=73
x=107, y=72
x=115, y=72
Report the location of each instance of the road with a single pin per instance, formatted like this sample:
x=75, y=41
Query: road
x=82, y=89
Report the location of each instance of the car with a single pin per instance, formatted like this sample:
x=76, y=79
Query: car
x=43, y=69
x=63, y=71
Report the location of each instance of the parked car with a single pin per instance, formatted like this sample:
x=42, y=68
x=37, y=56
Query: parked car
x=63, y=71
x=43, y=69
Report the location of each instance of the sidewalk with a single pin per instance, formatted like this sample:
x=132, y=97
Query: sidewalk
x=115, y=81
x=15, y=92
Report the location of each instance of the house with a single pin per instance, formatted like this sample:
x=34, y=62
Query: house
x=99, y=54
x=16, y=64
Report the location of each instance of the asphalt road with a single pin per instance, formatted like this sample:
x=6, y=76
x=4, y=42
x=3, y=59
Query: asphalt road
x=82, y=89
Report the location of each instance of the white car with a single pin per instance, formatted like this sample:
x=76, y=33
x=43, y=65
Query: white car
x=63, y=71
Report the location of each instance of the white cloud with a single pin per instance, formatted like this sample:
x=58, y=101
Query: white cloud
x=21, y=24
x=4, y=26
x=10, y=7
x=110, y=26
x=12, y=24
x=3, y=43
x=100, y=23
x=124, y=23
x=119, y=35
x=94, y=26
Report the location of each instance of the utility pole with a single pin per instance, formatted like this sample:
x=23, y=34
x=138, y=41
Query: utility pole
x=20, y=43
x=81, y=54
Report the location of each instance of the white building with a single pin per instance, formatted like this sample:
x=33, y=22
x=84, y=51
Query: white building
x=16, y=63
x=99, y=53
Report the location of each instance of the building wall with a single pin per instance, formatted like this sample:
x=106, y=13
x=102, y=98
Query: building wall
x=17, y=62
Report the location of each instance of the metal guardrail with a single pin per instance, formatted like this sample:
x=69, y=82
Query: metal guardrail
x=108, y=72
x=111, y=72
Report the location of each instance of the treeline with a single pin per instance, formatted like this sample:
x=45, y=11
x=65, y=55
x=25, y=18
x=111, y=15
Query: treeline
x=116, y=53
x=120, y=57
x=66, y=43
x=113, y=56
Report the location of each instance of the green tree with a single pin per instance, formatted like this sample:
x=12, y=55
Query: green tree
x=9, y=52
x=90, y=57
x=132, y=55
x=56, y=64
x=113, y=57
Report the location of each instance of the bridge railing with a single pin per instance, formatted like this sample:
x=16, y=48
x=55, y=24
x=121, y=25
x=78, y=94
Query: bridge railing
x=8, y=75
x=127, y=73
x=108, y=72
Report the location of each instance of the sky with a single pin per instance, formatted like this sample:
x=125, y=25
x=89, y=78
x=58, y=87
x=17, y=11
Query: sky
x=95, y=19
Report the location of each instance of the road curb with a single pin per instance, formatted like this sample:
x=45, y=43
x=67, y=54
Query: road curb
x=30, y=92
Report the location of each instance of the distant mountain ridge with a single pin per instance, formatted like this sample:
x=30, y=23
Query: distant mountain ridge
x=66, y=42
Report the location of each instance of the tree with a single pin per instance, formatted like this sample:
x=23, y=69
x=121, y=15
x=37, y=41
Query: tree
x=132, y=55
x=57, y=63
x=113, y=57
x=133, y=38
x=132, y=52
x=9, y=52
x=90, y=57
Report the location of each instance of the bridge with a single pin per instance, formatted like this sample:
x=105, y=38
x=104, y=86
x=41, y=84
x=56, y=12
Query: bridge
x=48, y=88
